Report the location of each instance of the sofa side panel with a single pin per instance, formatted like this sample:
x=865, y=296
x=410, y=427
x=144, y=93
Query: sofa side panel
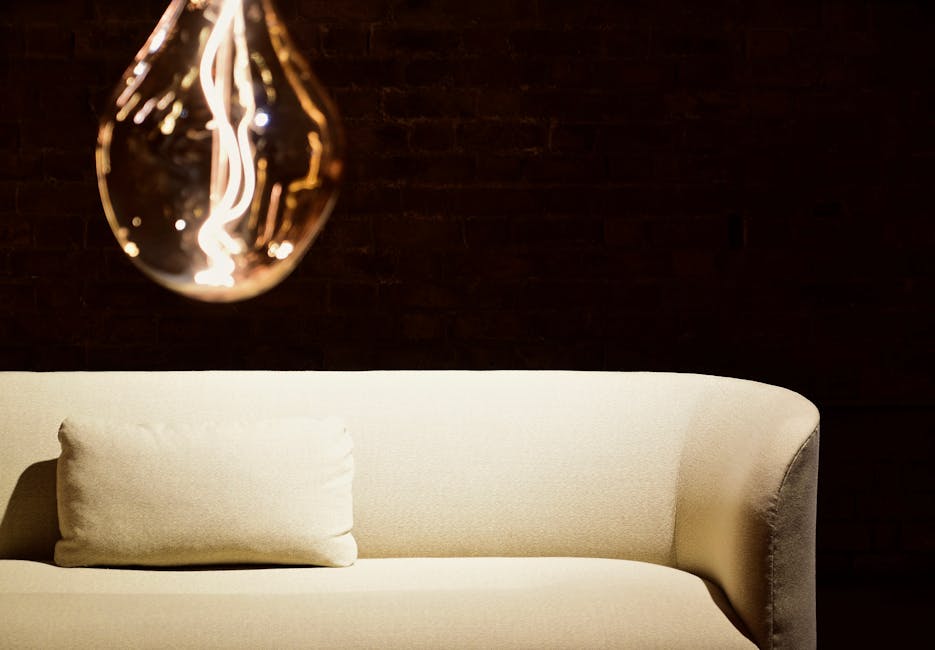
x=792, y=570
x=745, y=516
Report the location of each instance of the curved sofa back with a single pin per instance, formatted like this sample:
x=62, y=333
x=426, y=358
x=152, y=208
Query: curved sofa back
x=448, y=463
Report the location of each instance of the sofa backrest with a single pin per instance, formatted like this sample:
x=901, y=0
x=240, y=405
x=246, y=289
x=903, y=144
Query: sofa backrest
x=447, y=462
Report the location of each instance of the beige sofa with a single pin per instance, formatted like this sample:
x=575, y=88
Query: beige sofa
x=491, y=509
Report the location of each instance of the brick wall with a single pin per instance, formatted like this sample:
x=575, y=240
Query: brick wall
x=740, y=188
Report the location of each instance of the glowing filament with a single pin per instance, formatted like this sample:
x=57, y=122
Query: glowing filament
x=233, y=173
x=219, y=155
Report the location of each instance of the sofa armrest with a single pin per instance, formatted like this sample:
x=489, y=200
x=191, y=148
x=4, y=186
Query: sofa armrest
x=746, y=511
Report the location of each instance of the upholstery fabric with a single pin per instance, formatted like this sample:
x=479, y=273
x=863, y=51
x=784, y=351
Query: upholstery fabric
x=378, y=603
x=712, y=475
x=747, y=510
x=274, y=491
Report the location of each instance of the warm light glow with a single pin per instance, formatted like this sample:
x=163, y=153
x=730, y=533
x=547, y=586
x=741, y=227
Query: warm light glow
x=232, y=166
x=280, y=251
x=220, y=153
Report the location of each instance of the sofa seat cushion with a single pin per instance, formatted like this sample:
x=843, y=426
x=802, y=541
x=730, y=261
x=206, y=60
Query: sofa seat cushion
x=398, y=603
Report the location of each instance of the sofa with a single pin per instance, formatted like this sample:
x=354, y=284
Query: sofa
x=507, y=509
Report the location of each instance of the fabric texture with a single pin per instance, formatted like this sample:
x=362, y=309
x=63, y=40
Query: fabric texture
x=747, y=509
x=711, y=475
x=274, y=491
x=398, y=603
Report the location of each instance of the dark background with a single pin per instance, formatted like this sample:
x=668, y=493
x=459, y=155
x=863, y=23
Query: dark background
x=731, y=187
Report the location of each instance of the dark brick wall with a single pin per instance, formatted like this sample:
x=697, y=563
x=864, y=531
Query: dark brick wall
x=740, y=188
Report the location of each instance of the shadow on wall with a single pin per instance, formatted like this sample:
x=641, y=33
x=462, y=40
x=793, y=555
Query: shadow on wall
x=29, y=528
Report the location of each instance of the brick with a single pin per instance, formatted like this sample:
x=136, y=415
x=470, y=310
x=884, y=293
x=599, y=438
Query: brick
x=60, y=357
x=443, y=13
x=423, y=327
x=63, y=11
x=8, y=197
x=499, y=72
x=495, y=200
x=361, y=103
x=180, y=329
x=49, y=42
x=582, y=355
x=623, y=232
x=502, y=102
x=295, y=295
x=367, y=137
x=435, y=135
x=768, y=42
x=841, y=15
x=57, y=233
x=566, y=169
x=597, y=13
x=272, y=332
x=109, y=329
x=505, y=136
x=696, y=43
x=434, y=72
x=369, y=199
x=446, y=170
x=422, y=170
x=9, y=136
x=488, y=39
x=622, y=43
x=61, y=165
x=432, y=41
x=553, y=43
x=426, y=200
x=502, y=168
x=431, y=103
x=420, y=295
x=152, y=357
x=17, y=165
x=365, y=72
x=115, y=42
x=345, y=40
x=494, y=325
x=323, y=264
x=636, y=168
x=131, y=293
x=558, y=231
x=57, y=264
x=346, y=232
x=276, y=357
x=16, y=295
x=762, y=14
x=417, y=233
x=360, y=356
x=919, y=536
x=76, y=131
x=418, y=357
x=346, y=10
x=352, y=297
x=573, y=138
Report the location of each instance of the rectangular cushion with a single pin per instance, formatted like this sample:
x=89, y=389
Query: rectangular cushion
x=273, y=491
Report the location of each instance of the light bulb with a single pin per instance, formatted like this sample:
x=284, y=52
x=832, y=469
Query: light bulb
x=219, y=157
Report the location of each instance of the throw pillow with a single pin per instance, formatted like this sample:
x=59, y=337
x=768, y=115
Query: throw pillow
x=275, y=491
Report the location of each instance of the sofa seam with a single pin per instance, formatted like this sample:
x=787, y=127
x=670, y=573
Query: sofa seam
x=772, y=519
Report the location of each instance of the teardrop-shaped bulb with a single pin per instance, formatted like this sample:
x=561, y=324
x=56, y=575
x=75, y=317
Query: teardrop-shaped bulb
x=219, y=157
